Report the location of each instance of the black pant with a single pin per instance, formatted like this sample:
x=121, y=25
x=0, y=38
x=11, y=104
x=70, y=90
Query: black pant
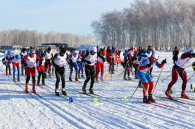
x=43, y=78
x=48, y=62
x=8, y=67
x=90, y=74
x=23, y=67
x=126, y=67
x=60, y=73
x=28, y=78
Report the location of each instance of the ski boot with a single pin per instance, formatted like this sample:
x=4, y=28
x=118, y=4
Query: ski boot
x=97, y=80
x=82, y=76
x=167, y=93
x=129, y=78
x=84, y=89
x=183, y=95
x=79, y=77
x=124, y=78
x=136, y=76
x=57, y=92
x=70, y=79
x=18, y=79
x=145, y=99
x=91, y=91
x=26, y=90
x=6, y=73
x=101, y=79
x=14, y=79
x=64, y=92
x=150, y=98
x=76, y=79
x=10, y=73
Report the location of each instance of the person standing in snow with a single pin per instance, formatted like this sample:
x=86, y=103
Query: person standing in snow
x=7, y=61
x=16, y=63
x=48, y=56
x=23, y=53
x=30, y=60
x=179, y=69
x=73, y=63
x=41, y=69
x=90, y=58
x=59, y=62
x=175, y=55
x=144, y=76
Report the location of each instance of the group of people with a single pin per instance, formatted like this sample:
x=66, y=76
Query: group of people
x=93, y=61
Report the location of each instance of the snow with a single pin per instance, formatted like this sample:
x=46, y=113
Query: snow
x=20, y=110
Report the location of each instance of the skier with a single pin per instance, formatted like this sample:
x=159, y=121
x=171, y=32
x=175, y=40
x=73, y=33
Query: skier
x=100, y=64
x=144, y=76
x=48, y=56
x=149, y=52
x=111, y=57
x=175, y=55
x=80, y=65
x=125, y=64
x=30, y=60
x=41, y=69
x=73, y=63
x=90, y=58
x=23, y=53
x=59, y=62
x=7, y=61
x=179, y=69
x=16, y=63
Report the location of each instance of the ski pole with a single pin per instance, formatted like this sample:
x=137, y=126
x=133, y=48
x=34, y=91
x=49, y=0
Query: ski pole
x=158, y=79
x=190, y=77
x=138, y=85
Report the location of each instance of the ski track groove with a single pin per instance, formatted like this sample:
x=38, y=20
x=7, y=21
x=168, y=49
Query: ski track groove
x=61, y=114
x=134, y=118
x=84, y=114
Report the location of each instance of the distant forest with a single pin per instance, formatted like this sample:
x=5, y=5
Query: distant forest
x=32, y=38
x=164, y=24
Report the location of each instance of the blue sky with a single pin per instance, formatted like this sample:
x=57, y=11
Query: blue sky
x=69, y=16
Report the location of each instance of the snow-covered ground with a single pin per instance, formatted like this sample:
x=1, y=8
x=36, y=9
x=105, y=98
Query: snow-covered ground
x=20, y=110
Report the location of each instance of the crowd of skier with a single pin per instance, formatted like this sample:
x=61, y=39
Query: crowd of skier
x=138, y=62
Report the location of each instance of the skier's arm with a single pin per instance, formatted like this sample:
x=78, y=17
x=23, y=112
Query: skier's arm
x=83, y=58
x=54, y=58
x=101, y=57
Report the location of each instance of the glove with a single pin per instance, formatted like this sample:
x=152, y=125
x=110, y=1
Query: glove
x=148, y=65
x=193, y=66
x=164, y=61
x=192, y=55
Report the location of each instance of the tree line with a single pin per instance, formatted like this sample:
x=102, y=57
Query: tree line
x=164, y=24
x=33, y=38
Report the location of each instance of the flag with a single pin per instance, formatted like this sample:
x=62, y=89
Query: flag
x=171, y=91
x=71, y=99
x=125, y=96
x=95, y=101
x=107, y=75
x=121, y=76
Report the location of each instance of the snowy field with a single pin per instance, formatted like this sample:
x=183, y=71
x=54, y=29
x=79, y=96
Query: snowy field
x=21, y=110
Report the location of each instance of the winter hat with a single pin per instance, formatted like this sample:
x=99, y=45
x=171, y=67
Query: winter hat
x=63, y=50
x=155, y=56
x=76, y=51
x=94, y=49
x=17, y=56
x=49, y=49
x=113, y=48
x=149, y=47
